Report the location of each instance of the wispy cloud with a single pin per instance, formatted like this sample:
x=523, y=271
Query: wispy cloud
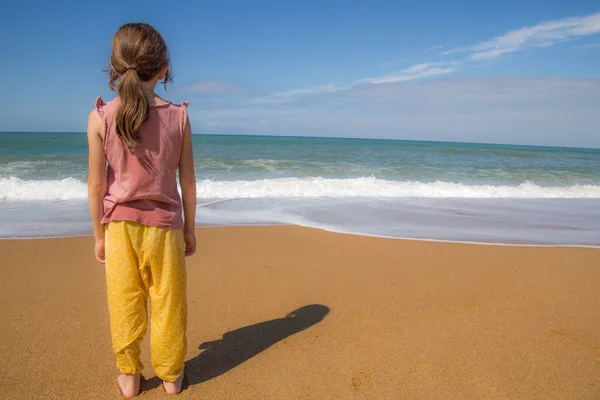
x=435, y=48
x=214, y=125
x=408, y=74
x=414, y=72
x=283, y=97
x=212, y=86
x=544, y=34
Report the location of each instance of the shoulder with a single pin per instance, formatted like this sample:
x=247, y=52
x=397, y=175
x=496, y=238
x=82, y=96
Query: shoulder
x=175, y=110
x=184, y=114
x=168, y=108
x=178, y=115
x=96, y=117
x=102, y=107
x=183, y=109
x=180, y=107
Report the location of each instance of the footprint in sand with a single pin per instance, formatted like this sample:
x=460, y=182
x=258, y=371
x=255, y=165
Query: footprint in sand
x=362, y=381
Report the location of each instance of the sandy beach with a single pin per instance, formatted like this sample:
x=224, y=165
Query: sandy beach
x=286, y=312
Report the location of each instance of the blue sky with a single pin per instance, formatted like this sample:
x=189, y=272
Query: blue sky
x=525, y=72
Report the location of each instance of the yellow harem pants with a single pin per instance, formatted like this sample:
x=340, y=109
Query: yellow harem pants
x=141, y=261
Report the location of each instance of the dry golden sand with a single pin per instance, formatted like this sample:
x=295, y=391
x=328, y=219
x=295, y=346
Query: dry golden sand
x=375, y=319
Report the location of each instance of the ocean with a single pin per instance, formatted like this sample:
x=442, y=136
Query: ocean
x=481, y=193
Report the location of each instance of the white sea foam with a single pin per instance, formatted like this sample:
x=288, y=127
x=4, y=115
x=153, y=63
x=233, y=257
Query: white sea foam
x=15, y=189
x=550, y=222
x=373, y=187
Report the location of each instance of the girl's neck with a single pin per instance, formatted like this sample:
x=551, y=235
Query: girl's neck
x=152, y=97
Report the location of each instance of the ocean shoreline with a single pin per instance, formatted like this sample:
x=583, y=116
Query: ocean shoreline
x=439, y=191
x=541, y=222
x=475, y=243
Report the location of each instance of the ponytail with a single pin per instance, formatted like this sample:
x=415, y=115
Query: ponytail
x=134, y=109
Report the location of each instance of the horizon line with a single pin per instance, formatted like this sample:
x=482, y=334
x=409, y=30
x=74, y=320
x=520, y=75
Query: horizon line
x=340, y=138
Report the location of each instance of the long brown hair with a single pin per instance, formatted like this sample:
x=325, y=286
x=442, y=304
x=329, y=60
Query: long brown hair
x=139, y=53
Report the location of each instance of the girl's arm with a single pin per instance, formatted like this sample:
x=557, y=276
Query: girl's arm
x=96, y=179
x=187, y=180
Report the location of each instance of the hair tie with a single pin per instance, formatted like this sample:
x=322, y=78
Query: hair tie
x=133, y=68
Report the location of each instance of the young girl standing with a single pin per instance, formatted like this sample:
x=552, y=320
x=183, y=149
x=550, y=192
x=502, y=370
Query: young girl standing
x=137, y=142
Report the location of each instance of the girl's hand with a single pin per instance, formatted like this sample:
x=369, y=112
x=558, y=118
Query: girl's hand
x=99, y=250
x=190, y=241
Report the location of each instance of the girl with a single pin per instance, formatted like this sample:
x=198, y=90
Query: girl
x=136, y=144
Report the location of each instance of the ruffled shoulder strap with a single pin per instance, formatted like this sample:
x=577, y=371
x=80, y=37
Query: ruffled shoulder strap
x=184, y=115
x=100, y=106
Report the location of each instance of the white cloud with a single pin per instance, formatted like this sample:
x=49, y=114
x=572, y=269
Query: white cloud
x=434, y=48
x=215, y=125
x=415, y=72
x=408, y=74
x=544, y=34
x=284, y=97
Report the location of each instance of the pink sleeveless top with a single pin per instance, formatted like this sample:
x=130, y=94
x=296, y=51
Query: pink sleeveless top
x=142, y=182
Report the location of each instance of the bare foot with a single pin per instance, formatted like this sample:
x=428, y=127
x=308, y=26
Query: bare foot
x=129, y=385
x=174, y=387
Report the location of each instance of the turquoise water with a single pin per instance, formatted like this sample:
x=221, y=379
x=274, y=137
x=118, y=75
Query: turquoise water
x=46, y=156
x=426, y=190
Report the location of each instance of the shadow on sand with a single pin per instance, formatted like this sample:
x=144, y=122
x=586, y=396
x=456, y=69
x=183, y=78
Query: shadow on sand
x=235, y=347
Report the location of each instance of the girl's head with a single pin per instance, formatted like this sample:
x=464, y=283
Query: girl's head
x=139, y=59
